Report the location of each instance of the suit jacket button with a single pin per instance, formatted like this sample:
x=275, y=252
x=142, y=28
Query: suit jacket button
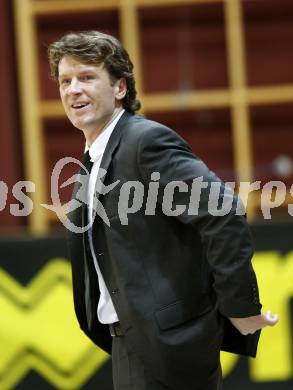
x=115, y=291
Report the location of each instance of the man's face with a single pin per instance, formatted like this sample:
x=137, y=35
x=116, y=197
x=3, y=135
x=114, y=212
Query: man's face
x=90, y=98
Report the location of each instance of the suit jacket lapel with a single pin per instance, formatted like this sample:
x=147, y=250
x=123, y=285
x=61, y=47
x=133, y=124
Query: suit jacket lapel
x=77, y=216
x=112, y=145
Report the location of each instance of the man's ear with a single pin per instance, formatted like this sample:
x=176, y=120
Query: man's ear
x=120, y=89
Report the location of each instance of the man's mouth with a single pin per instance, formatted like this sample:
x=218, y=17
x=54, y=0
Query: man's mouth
x=78, y=106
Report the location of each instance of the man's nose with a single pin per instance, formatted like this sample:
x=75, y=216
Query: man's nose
x=75, y=87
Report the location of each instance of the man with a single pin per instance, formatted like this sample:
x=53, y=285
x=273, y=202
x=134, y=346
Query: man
x=155, y=278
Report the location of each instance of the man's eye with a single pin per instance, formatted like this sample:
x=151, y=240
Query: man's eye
x=87, y=77
x=65, y=82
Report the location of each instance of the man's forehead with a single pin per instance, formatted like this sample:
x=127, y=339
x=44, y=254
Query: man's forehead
x=69, y=62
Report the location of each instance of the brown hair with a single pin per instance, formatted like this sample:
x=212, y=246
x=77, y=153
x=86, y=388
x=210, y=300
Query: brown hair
x=94, y=47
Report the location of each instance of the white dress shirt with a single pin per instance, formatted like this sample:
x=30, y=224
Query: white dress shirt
x=105, y=310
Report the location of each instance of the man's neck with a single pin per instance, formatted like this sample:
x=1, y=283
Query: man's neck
x=91, y=136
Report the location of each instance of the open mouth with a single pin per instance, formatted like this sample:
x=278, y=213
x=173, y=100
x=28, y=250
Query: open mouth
x=79, y=106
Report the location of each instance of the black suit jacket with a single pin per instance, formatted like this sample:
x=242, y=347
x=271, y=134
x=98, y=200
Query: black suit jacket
x=173, y=280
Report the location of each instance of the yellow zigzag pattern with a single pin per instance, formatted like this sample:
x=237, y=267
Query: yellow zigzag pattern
x=39, y=331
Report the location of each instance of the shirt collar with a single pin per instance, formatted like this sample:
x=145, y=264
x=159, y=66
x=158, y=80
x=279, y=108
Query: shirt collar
x=98, y=146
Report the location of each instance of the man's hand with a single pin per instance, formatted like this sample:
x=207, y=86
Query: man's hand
x=250, y=325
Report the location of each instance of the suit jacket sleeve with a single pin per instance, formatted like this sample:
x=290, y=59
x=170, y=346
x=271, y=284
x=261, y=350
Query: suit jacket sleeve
x=226, y=238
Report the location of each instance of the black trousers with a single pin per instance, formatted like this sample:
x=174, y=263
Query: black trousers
x=129, y=372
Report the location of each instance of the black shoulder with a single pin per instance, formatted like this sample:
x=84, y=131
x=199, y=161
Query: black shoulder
x=139, y=128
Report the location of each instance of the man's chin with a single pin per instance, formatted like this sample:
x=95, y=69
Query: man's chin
x=80, y=124
x=85, y=127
